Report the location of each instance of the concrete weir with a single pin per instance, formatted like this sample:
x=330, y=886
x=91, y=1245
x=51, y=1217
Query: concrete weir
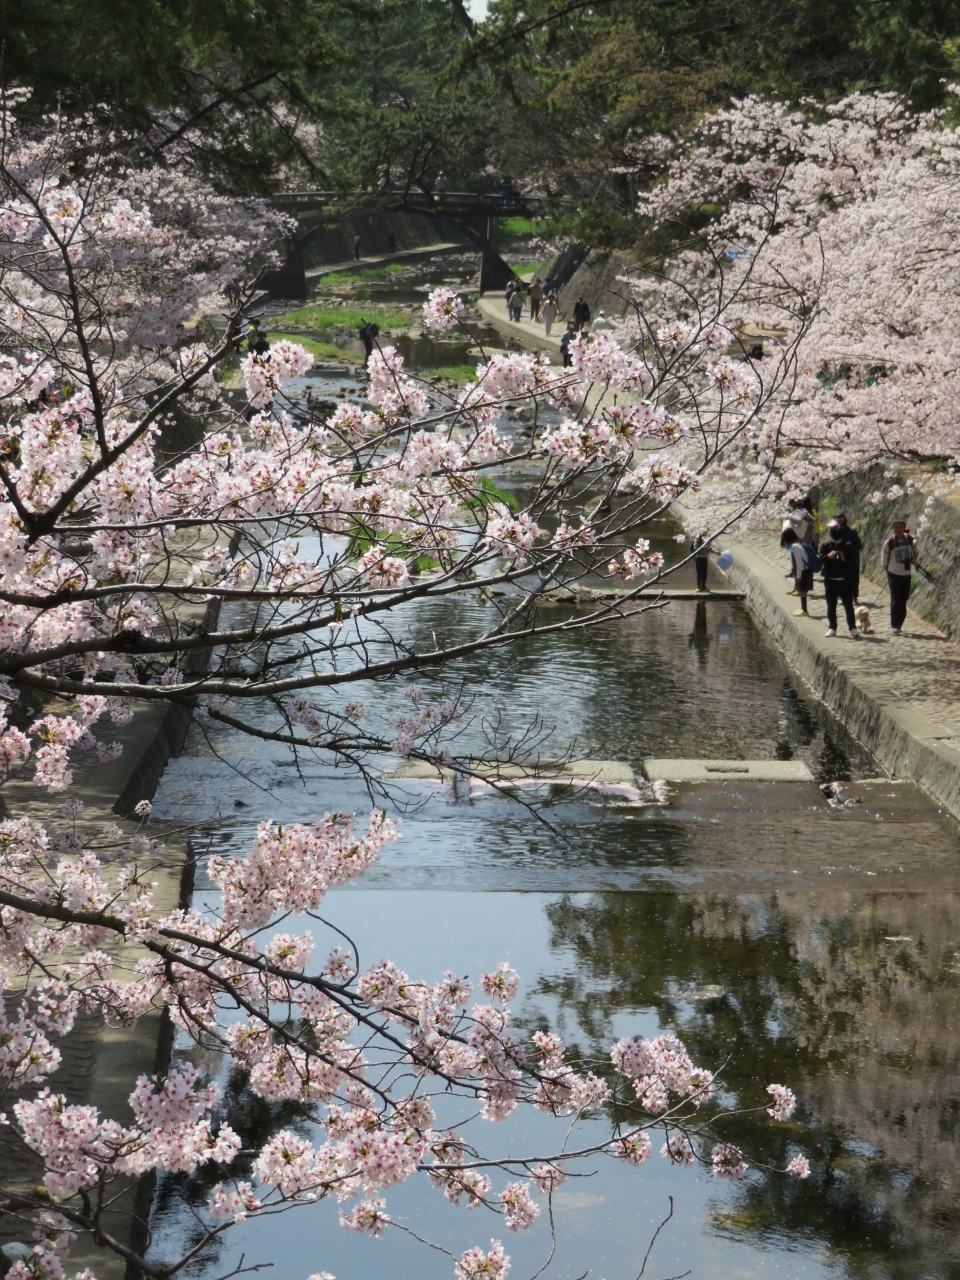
x=898, y=695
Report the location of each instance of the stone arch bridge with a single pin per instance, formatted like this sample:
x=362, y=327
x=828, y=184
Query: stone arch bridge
x=477, y=217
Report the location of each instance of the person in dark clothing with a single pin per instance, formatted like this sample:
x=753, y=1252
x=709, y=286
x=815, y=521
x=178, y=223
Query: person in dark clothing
x=702, y=551
x=569, y=335
x=254, y=334
x=836, y=583
x=392, y=241
x=262, y=344
x=356, y=247
x=803, y=559
x=514, y=300
x=581, y=313
x=368, y=336
x=856, y=550
x=898, y=557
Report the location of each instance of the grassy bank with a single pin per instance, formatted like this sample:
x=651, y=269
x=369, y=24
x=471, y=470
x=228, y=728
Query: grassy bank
x=324, y=318
x=353, y=275
x=319, y=350
x=461, y=374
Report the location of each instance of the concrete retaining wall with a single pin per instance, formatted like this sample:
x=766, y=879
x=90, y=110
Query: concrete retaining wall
x=937, y=601
x=906, y=742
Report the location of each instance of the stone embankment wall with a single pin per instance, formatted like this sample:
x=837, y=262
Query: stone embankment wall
x=597, y=281
x=939, y=543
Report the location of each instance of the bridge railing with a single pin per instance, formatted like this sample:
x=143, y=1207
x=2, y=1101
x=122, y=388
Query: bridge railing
x=465, y=203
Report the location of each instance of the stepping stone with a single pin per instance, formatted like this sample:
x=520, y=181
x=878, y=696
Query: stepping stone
x=718, y=770
x=598, y=771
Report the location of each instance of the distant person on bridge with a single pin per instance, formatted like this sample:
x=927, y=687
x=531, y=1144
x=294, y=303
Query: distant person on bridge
x=368, y=336
x=440, y=185
x=581, y=313
x=392, y=241
x=356, y=247
x=548, y=312
x=536, y=298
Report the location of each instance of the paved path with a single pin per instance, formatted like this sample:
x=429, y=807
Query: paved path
x=529, y=332
x=899, y=695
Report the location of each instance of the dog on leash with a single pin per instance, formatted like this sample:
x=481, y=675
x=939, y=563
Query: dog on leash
x=862, y=615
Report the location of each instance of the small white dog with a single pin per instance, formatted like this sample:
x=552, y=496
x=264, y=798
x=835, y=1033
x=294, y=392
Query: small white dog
x=862, y=615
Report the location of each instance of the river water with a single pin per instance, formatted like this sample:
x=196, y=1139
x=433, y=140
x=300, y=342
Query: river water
x=793, y=942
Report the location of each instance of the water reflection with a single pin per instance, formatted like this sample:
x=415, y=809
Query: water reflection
x=795, y=943
x=849, y=999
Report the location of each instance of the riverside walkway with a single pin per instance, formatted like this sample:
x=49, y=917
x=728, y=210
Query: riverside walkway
x=898, y=695
x=527, y=331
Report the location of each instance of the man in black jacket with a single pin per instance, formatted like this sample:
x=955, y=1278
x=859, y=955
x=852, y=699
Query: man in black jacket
x=855, y=550
x=837, y=585
x=581, y=313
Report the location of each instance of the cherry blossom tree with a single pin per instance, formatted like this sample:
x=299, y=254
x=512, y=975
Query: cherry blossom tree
x=852, y=208
x=266, y=562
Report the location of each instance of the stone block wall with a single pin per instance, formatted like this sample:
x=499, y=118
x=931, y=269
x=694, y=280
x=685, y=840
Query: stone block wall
x=939, y=545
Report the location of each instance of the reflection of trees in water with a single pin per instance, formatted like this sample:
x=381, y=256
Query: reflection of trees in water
x=255, y=1120
x=814, y=997
x=692, y=679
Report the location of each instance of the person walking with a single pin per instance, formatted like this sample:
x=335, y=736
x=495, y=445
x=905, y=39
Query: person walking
x=702, y=551
x=356, y=247
x=392, y=241
x=368, y=336
x=601, y=323
x=569, y=334
x=548, y=312
x=581, y=313
x=515, y=300
x=898, y=557
x=836, y=582
x=856, y=552
x=804, y=560
x=253, y=333
x=440, y=185
x=536, y=298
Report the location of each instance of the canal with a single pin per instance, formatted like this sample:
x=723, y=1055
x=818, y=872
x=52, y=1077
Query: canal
x=793, y=942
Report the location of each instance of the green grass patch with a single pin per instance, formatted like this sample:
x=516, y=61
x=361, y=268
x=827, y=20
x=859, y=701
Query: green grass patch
x=518, y=227
x=319, y=350
x=376, y=272
x=490, y=493
x=523, y=268
x=321, y=318
x=461, y=374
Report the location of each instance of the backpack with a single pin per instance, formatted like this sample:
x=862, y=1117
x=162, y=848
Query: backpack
x=813, y=559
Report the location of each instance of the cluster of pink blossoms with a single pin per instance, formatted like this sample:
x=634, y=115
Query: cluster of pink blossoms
x=442, y=310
